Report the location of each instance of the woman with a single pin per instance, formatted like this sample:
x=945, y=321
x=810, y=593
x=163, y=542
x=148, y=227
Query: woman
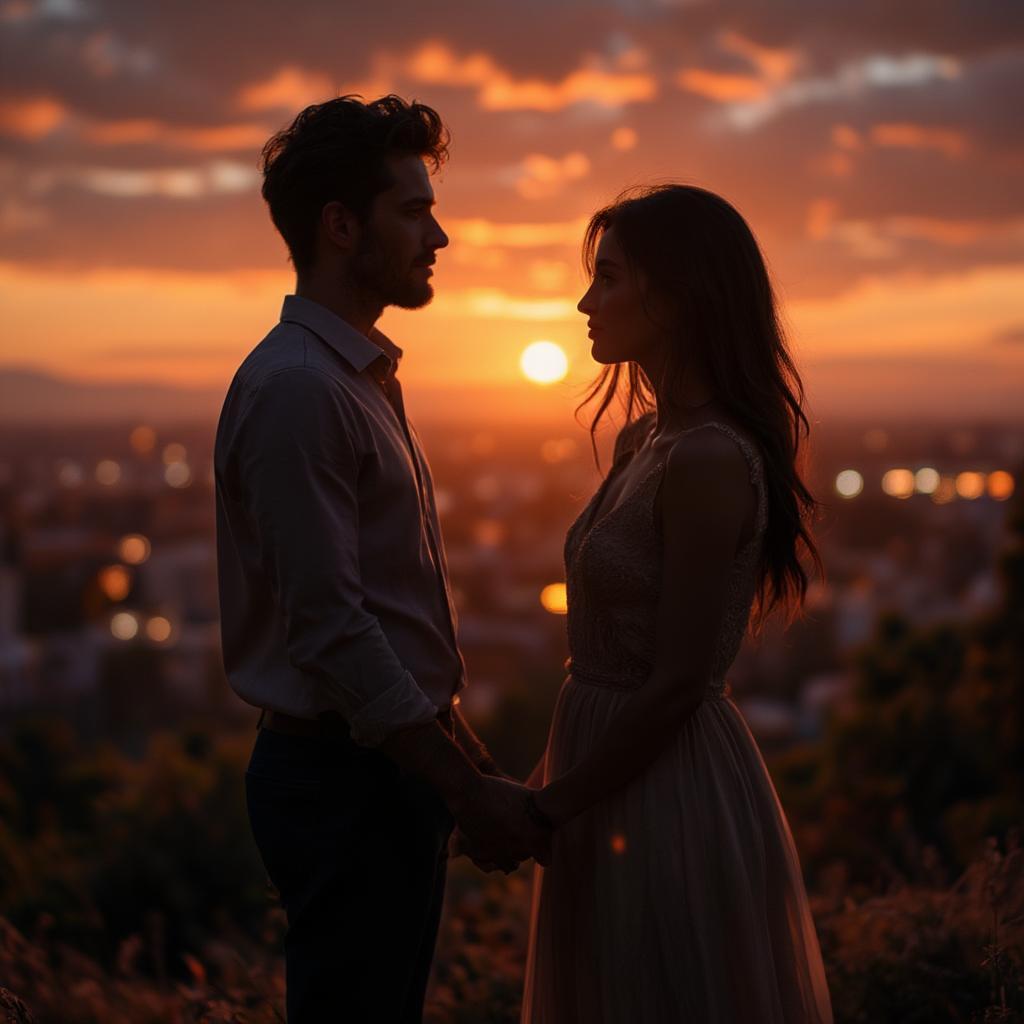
x=674, y=893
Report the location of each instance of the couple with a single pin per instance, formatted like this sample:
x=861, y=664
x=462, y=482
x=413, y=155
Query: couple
x=666, y=885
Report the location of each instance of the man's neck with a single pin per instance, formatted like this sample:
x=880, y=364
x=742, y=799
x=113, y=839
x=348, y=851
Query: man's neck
x=354, y=309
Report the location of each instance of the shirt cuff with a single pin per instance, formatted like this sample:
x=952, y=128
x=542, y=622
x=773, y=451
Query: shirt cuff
x=398, y=707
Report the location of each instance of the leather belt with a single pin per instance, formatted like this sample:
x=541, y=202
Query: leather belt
x=328, y=723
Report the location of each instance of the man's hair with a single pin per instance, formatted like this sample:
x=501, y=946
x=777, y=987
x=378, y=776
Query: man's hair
x=337, y=151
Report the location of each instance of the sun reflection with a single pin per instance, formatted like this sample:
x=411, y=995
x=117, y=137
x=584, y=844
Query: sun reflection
x=554, y=600
x=544, y=362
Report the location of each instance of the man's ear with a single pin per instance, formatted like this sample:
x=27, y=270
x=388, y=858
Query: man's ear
x=340, y=225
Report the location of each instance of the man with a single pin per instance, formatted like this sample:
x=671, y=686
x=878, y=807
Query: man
x=336, y=614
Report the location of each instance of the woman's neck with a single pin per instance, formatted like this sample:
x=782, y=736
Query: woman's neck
x=688, y=396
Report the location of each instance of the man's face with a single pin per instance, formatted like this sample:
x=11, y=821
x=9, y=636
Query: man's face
x=400, y=239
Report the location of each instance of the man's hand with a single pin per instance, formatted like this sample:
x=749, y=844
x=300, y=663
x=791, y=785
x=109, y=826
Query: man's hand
x=496, y=828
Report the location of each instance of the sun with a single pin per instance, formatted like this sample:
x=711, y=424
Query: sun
x=544, y=362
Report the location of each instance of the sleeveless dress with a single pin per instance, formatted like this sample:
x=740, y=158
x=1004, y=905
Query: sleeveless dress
x=680, y=897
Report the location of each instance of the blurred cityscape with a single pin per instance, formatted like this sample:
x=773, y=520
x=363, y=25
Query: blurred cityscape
x=108, y=596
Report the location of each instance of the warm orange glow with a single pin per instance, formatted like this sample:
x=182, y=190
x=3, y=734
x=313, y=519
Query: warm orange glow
x=158, y=629
x=544, y=362
x=134, y=549
x=722, y=87
x=544, y=176
x=898, y=483
x=1000, y=485
x=143, y=440
x=554, y=600
x=32, y=118
x=116, y=582
x=914, y=136
x=618, y=843
x=497, y=89
x=218, y=138
x=970, y=485
x=290, y=88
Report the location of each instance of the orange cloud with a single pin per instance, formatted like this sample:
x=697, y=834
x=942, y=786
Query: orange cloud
x=948, y=141
x=289, y=88
x=215, y=138
x=543, y=176
x=773, y=65
x=31, y=118
x=434, y=63
x=722, y=88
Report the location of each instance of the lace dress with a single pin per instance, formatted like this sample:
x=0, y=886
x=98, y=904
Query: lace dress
x=680, y=897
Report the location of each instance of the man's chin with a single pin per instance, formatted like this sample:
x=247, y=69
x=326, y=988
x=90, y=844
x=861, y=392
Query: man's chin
x=413, y=298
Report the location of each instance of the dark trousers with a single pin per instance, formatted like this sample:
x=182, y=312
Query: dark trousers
x=357, y=850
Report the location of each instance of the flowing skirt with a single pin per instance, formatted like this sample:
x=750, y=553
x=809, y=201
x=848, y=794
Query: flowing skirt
x=678, y=899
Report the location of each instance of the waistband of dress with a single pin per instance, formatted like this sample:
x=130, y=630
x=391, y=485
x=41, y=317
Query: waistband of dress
x=716, y=690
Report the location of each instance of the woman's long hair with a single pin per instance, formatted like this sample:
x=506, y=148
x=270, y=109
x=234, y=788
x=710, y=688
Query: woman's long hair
x=698, y=260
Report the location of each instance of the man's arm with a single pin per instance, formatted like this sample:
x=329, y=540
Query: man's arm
x=474, y=747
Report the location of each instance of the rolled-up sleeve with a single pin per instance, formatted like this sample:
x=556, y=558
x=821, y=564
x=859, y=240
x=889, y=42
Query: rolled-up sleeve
x=298, y=468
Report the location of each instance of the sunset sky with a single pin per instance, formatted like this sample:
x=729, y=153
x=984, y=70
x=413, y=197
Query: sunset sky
x=872, y=147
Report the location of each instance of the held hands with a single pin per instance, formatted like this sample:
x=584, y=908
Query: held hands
x=495, y=829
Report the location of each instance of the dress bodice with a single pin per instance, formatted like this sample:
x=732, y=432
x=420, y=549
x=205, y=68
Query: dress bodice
x=614, y=569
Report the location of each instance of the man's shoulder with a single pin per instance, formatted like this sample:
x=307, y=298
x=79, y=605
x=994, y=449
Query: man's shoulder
x=291, y=348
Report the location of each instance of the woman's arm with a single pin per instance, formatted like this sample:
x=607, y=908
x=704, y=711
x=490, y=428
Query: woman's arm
x=706, y=497
x=536, y=779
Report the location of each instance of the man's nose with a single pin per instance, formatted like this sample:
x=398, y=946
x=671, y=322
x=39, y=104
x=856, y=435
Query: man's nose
x=439, y=239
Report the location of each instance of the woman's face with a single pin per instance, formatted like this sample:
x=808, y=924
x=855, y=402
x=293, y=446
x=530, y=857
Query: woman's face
x=620, y=327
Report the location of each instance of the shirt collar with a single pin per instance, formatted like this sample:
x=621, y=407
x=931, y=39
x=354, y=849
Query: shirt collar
x=352, y=345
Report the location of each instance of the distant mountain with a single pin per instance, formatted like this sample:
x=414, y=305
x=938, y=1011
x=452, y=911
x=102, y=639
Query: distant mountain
x=34, y=397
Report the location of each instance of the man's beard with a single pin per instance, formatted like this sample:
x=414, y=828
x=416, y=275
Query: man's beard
x=379, y=276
